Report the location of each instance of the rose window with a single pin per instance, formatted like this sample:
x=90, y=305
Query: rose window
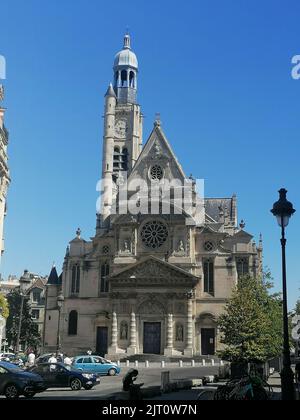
x=156, y=173
x=154, y=234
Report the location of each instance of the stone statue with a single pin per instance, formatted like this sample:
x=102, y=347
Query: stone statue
x=124, y=331
x=179, y=333
x=181, y=247
x=157, y=151
x=126, y=246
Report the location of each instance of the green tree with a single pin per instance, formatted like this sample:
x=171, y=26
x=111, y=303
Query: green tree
x=297, y=308
x=29, y=336
x=251, y=326
x=4, y=311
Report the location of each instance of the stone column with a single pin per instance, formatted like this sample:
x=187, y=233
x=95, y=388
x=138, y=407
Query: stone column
x=132, y=349
x=114, y=335
x=169, y=348
x=189, y=332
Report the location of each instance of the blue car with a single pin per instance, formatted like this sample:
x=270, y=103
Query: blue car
x=15, y=382
x=58, y=375
x=96, y=364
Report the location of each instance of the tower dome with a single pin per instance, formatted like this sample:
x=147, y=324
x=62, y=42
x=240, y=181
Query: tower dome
x=125, y=74
x=126, y=57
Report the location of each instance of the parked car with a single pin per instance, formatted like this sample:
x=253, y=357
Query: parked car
x=15, y=382
x=7, y=356
x=96, y=364
x=58, y=375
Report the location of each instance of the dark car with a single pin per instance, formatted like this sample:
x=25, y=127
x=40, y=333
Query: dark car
x=58, y=375
x=15, y=382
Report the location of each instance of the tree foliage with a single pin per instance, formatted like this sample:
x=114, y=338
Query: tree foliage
x=297, y=308
x=251, y=326
x=4, y=311
x=29, y=336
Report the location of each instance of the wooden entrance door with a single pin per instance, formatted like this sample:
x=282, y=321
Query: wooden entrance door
x=102, y=341
x=152, y=337
x=207, y=341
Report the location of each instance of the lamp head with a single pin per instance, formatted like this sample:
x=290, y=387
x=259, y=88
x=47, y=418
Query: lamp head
x=283, y=209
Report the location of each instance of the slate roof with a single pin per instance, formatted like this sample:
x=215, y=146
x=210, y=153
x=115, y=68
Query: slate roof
x=53, y=277
x=212, y=206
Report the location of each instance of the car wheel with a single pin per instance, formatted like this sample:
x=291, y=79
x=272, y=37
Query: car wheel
x=76, y=384
x=112, y=372
x=29, y=394
x=11, y=392
x=88, y=387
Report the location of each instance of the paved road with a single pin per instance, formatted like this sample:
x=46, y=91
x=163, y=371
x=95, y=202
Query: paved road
x=109, y=385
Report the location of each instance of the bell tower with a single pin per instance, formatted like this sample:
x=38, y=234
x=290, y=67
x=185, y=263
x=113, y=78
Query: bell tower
x=123, y=124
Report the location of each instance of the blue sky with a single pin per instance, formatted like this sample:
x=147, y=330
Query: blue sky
x=218, y=72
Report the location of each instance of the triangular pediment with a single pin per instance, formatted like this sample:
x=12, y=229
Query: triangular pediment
x=153, y=270
x=241, y=234
x=157, y=151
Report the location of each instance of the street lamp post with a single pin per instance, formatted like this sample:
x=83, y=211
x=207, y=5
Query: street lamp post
x=60, y=301
x=283, y=210
x=24, y=284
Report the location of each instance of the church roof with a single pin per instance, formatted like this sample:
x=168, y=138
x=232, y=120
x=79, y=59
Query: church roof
x=213, y=206
x=126, y=57
x=53, y=277
x=110, y=91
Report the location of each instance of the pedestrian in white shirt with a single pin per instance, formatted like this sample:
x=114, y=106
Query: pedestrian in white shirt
x=31, y=359
x=67, y=361
x=52, y=360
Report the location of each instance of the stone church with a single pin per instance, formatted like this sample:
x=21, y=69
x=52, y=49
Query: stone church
x=148, y=282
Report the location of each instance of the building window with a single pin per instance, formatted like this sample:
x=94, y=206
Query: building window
x=156, y=173
x=209, y=246
x=35, y=314
x=242, y=267
x=208, y=271
x=105, y=250
x=104, y=286
x=36, y=296
x=75, y=286
x=73, y=323
x=154, y=234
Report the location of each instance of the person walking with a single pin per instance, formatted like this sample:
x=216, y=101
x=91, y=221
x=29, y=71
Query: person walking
x=67, y=361
x=31, y=358
x=53, y=360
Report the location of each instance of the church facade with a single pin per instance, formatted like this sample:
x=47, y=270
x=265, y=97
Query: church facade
x=151, y=281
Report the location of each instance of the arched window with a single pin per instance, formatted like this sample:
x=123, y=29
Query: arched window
x=132, y=79
x=242, y=266
x=75, y=286
x=124, y=159
x=124, y=78
x=104, y=286
x=117, y=158
x=73, y=323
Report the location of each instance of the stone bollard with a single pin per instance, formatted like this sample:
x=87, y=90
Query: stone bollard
x=222, y=363
x=146, y=364
x=180, y=363
x=136, y=364
x=193, y=363
x=119, y=363
x=163, y=364
x=127, y=363
x=203, y=362
x=212, y=362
